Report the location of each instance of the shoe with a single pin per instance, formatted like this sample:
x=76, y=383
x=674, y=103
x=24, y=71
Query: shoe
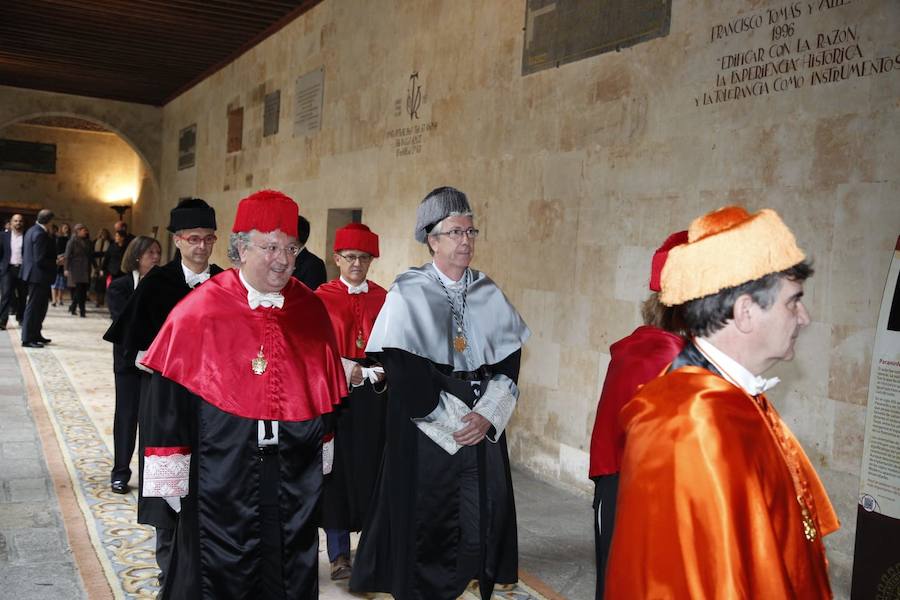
x=32, y=345
x=53, y=304
x=83, y=315
x=44, y=340
x=72, y=310
x=119, y=487
x=340, y=568
x=2, y=326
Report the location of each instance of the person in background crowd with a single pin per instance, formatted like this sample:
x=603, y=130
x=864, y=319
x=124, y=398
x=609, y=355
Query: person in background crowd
x=450, y=343
x=13, y=290
x=60, y=284
x=39, y=270
x=245, y=367
x=98, y=277
x=634, y=360
x=353, y=303
x=308, y=268
x=717, y=499
x=193, y=225
x=112, y=262
x=142, y=254
x=78, y=267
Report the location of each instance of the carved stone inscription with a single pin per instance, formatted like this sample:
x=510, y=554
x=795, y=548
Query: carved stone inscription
x=308, y=103
x=783, y=49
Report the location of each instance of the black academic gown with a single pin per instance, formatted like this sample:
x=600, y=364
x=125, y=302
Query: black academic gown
x=219, y=552
x=310, y=269
x=358, y=447
x=410, y=539
x=143, y=316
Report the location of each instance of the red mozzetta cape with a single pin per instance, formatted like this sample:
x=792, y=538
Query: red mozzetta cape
x=634, y=361
x=209, y=340
x=351, y=315
x=708, y=498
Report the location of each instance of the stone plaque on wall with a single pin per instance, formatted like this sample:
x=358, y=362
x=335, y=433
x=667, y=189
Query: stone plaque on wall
x=563, y=31
x=187, y=144
x=271, y=113
x=235, y=129
x=308, y=102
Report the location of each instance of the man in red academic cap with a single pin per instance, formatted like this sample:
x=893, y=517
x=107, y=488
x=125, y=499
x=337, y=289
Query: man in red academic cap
x=716, y=497
x=245, y=365
x=634, y=360
x=353, y=303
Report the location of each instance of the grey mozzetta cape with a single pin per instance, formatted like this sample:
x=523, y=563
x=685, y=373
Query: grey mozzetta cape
x=410, y=545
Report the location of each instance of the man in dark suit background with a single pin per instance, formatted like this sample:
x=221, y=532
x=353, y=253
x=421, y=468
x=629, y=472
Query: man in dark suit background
x=13, y=290
x=308, y=268
x=39, y=271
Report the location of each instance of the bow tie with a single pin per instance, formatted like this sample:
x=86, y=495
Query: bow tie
x=256, y=299
x=763, y=385
x=362, y=288
x=196, y=279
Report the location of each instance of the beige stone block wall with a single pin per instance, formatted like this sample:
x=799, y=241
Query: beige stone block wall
x=94, y=170
x=577, y=174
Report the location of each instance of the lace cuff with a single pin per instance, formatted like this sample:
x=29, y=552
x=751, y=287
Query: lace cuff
x=166, y=471
x=497, y=404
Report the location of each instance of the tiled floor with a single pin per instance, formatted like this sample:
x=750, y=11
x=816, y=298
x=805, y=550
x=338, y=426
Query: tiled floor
x=106, y=554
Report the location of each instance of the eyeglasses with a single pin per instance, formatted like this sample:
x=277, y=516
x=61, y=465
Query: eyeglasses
x=196, y=240
x=352, y=258
x=272, y=250
x=457, y=234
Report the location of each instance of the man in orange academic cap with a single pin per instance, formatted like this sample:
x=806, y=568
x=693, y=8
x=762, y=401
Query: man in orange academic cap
x=245, y=365
x=716, y=497
x=353, y=302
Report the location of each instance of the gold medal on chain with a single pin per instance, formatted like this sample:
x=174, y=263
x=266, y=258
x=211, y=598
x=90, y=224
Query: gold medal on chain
x=259, y=363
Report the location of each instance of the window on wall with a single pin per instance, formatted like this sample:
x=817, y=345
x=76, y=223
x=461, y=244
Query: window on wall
x=35, y=157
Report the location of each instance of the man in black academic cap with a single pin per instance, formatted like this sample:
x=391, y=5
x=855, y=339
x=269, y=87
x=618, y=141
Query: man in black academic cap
x=193, y=224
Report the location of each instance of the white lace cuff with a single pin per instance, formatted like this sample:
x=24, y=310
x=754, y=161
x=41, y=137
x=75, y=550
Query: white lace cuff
x=166, y=472
x=497, y=403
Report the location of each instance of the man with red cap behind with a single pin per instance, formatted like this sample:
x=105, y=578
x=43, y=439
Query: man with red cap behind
x=234, y=438
x=716, y=497
x=353, y=303
x=634, y=360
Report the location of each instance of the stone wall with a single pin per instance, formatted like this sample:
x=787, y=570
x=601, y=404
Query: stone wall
x=578, y=173
x=93, y=171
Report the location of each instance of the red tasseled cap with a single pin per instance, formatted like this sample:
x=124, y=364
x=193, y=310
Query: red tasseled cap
x=356, y=236
x=660, y=256
x=266, y=211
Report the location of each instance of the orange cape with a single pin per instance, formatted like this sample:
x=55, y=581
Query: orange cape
x=209, y=340
x=708, y=498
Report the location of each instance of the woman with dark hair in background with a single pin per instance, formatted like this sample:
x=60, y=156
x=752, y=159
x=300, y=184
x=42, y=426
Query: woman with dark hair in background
x=141, y=255
x=98, y=276
x=78, y=267
x=60, y=238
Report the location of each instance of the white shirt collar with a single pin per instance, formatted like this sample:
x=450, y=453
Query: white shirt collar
x=137, y=277
x=733, y=371
x=446, y=279
x=255, y=298
x=194, y=279
x=362, y=288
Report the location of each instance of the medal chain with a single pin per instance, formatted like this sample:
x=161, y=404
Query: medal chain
x=458, y=317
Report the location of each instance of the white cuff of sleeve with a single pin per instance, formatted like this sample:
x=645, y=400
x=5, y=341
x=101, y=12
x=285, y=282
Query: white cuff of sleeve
x=166, y=475
x=497, y=403
x=137, y=361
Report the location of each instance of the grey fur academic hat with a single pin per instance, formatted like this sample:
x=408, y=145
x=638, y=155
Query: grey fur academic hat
x=192, y=213
x=439, y=204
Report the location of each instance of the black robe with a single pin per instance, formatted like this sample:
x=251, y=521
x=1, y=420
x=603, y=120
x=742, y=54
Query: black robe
x=310, y=269
x=218, y=549
x=358, y=448
x=410, y=539
x=143, y=316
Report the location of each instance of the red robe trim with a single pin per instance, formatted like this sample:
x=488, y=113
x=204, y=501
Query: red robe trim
x=708, y=498
x=352, y=315
x=634, y=361
x=209, y=340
